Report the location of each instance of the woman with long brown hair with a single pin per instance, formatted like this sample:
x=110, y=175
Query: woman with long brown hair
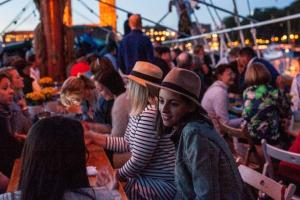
x=54, y=164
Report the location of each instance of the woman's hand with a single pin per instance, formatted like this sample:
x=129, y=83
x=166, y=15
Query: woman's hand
x=93, y=137
x=107, y=179
x=22, y=103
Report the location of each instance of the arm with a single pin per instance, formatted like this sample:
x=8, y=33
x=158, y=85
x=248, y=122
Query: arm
x=120, y=59
x=116, y=144
x=144, y=146
x=99, y=128
x=200, y=164
x=295, y=95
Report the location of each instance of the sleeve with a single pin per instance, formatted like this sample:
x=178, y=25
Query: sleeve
x=295, y=95
x=221, y=106
x=284, y=105
x=200, y=163
x=246, y=107
x=117, y=144
x=144, y=146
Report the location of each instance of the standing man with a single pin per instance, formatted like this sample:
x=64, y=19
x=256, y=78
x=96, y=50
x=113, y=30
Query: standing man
x=135, y=46
x=247, y=56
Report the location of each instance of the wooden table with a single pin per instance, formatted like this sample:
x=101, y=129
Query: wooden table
x=97, y=158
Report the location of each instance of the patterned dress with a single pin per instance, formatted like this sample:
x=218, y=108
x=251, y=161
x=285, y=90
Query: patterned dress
x=264, y=109
x=150, y=170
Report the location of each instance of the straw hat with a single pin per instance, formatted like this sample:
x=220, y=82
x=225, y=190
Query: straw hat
x=183, y=82
x=145, y=72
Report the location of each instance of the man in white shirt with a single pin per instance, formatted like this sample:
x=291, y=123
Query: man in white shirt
x=215, y=99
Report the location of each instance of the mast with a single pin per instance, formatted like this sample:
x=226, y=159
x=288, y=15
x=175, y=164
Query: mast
x=108, y=15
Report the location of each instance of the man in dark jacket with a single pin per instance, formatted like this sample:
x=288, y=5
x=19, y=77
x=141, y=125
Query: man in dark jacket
x=134, y=47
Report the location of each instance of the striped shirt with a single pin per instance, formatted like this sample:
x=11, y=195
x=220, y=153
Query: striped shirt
x=150, y=170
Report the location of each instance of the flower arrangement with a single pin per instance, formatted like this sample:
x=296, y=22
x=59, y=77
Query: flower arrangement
x=39, y=97
x=49, y=92
x=46, y=81
x=35, y=98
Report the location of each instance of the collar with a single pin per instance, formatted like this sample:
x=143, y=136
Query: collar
x=251, y=61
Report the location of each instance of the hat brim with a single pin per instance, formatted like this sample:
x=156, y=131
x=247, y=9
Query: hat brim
x=138, y=80
x=156, y=88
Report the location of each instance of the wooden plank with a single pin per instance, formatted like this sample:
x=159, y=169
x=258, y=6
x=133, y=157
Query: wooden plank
x=97, y=158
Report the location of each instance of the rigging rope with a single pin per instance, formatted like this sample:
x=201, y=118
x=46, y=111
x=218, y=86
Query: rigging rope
x=248, y=26
x=223, y=46
x=4, y=2
x=15, y=20
x=92, y=11
x=25, y=19
x=222, y=23
x=83, y=16
x=224, y=10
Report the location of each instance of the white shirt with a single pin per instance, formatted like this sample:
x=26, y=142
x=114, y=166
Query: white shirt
x=215, y=101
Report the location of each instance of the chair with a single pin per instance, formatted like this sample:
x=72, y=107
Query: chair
x=267, y=185
x=242, y=151
x=279, y=154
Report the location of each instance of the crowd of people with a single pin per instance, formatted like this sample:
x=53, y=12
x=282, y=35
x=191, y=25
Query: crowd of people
x=162, y=107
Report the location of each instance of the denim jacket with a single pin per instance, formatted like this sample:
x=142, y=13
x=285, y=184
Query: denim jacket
x=205, y=168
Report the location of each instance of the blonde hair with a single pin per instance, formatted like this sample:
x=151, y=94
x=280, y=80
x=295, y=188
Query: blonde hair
x=76, y=89
x=257, y=74
x=140, y=97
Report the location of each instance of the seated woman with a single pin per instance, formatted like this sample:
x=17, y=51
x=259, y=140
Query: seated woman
x=265, y=107
x=205, y=168
x=19, y=106
x=109, y=85
x=10, y=146
x=150, y=169
x=54, y=164
x=78, y=95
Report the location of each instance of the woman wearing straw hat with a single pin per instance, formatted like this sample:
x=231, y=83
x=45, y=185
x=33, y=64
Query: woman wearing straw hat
x=205, y=168
x=150, y=170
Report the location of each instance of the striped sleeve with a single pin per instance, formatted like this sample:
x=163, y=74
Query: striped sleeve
x=117, y=144
x=143, y=146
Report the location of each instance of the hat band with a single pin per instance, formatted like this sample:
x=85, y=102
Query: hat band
x=146, y=77
x=178, y=89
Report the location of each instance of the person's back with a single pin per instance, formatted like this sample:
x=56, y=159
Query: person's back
x=264, y=109
x=134, y=47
